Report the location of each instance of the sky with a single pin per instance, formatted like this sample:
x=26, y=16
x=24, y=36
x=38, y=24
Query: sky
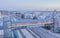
x=28, y=4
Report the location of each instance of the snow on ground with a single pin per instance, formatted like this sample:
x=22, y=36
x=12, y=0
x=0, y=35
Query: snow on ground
x=26, y=33
x=19, y=34
x=1, y=32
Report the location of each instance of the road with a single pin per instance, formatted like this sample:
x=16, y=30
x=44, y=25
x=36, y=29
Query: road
x=31, y=23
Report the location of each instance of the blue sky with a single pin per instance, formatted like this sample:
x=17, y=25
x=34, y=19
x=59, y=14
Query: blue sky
x=28, y=4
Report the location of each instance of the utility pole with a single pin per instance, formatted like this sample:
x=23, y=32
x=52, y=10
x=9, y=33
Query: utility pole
x=54, y=20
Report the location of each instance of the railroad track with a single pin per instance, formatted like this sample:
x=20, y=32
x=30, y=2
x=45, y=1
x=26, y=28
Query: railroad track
x=33, y=33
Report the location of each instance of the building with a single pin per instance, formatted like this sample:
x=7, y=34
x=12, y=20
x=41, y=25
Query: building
x=28, y=16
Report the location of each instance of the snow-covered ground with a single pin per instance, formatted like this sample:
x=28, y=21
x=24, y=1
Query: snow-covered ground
x=35, y=32
x=1, y=33
x=42, y=17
